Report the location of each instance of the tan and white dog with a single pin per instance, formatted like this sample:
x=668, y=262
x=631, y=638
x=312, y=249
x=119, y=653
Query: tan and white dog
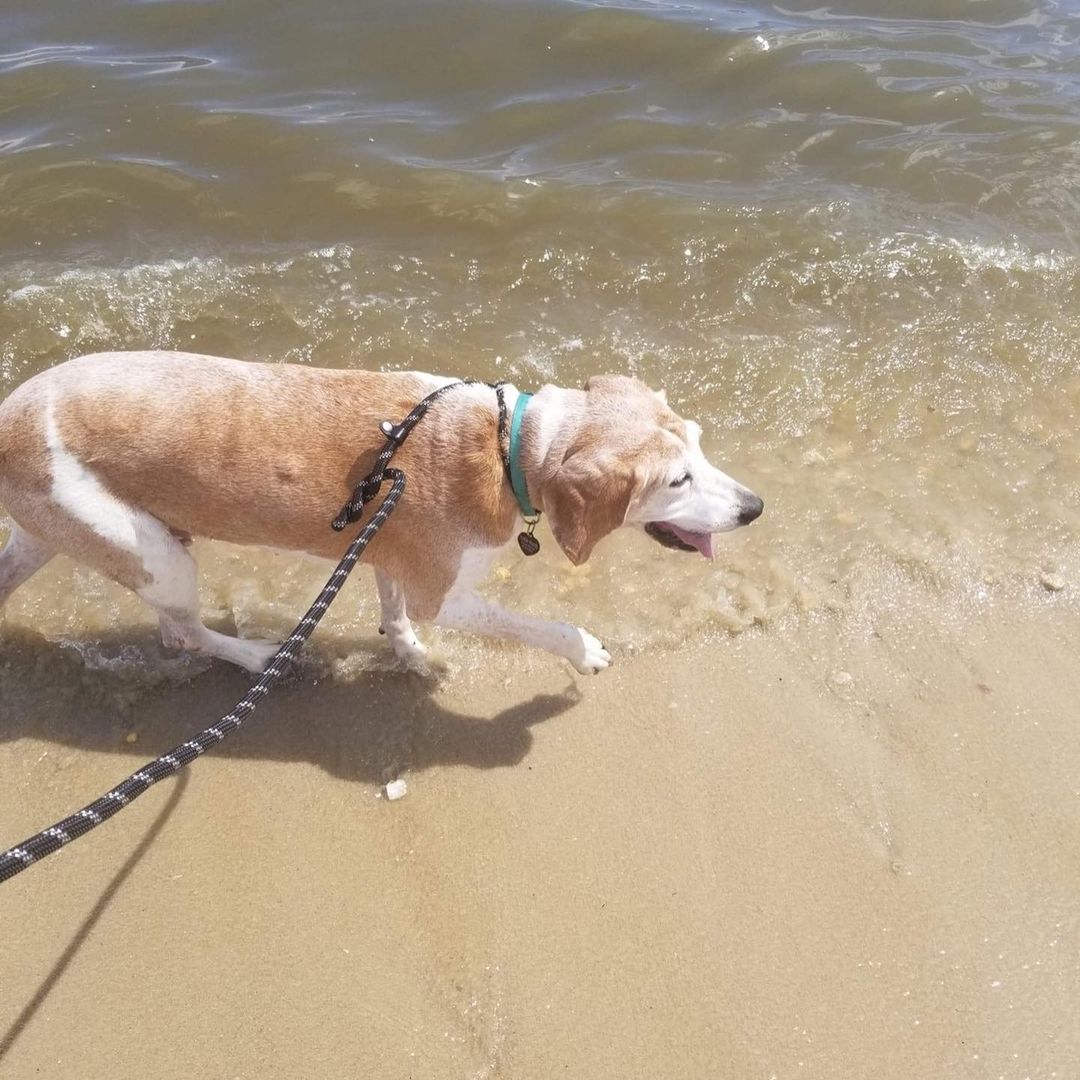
x=118, y=459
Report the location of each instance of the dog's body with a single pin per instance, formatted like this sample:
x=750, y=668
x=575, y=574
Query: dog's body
x=117, y=459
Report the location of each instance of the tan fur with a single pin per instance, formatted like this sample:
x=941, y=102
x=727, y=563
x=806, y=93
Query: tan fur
x=261, y=454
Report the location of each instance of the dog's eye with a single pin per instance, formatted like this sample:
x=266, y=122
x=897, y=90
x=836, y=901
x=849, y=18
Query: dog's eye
x=684, y=479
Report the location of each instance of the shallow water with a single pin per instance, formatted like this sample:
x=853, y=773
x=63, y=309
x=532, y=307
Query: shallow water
x=844, y=241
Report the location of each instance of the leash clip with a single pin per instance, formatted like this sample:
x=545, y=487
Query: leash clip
x=397, y=433
x=526, y=541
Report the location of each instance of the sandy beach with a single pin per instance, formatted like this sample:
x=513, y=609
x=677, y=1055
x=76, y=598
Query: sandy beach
x=818, y=856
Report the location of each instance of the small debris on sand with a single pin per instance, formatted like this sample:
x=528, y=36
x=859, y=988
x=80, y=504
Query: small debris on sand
x=396, y=790
x=842, y=684
x=1052, y=582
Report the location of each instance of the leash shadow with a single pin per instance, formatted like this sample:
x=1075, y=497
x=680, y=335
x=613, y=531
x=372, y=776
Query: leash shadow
x=367, y=728
x=40, y=996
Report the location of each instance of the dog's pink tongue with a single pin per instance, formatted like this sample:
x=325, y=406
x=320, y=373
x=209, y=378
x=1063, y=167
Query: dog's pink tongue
x=701, y=541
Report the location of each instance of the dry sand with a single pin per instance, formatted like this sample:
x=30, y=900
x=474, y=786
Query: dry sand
x=779, y=854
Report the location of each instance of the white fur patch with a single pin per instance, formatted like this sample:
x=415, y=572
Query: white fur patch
x=81, y=493
x=474, y=567
x=709, y=502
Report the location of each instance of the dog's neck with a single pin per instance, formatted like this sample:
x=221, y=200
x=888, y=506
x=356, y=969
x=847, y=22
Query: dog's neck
x=546, y=430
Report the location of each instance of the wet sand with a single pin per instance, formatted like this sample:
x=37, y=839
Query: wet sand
x=802, y=854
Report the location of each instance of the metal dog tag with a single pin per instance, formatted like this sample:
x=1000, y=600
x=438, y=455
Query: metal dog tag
x=528, y=543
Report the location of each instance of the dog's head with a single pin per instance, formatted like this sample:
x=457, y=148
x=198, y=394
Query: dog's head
x=625, y=458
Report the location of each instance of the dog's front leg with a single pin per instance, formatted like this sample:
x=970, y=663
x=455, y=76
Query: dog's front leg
x=467, y=610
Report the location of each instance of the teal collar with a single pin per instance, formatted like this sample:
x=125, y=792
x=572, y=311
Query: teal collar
x=517, y=477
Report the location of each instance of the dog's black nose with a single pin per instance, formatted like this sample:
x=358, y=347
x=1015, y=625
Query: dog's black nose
x=751, y=509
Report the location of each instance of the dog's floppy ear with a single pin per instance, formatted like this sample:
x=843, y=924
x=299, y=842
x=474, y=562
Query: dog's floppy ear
x=586, y=499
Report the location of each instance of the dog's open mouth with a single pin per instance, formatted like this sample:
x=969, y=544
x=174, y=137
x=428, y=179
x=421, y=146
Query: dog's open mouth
x=663, y=532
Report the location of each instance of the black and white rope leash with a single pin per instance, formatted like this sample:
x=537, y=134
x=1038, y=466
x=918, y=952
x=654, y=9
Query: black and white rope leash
x=30, y=851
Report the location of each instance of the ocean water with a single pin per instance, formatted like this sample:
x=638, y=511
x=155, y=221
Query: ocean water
x=842, y=236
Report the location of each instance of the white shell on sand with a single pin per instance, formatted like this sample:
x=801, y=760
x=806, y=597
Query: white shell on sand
x=396, y=790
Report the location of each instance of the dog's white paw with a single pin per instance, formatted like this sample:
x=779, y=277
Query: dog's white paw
x=252, y=654
x=589, y=656
x=410, y=650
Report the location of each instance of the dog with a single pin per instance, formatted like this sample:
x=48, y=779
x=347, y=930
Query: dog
x=119, y=459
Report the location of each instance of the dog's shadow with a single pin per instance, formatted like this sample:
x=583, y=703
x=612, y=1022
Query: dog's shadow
x=370, y=727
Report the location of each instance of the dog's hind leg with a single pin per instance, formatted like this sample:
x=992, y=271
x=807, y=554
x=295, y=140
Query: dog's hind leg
x=22, y=556
x=131, y=547
x=173, y=593
x=395, y=622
